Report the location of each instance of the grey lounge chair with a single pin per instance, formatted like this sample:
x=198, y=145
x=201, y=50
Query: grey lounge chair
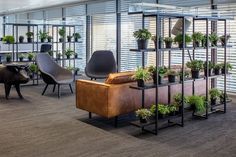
x=52, y=73
x=100, y=65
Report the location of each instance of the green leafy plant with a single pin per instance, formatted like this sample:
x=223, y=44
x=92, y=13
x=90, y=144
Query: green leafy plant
x=42, y=35
x=143, y=113
x=168, y=39
x=162, y=109
x=142, y=34
x=8, y=57
x=214, y=93
x=197, y=36
x=179, y=39
x=31, y=56
x=76, y=35
x=217, y=66
x=141, y=74
x=223, y=96
x=21, y=56
x=204, y=41
x=62, y=32
x=172, y=108
x=228, y=66
x=29, y=34
x=195, y=65
x=69, y=37
x=224, y=39
x=213, y=37
x=162, y=71
x=69, y=53
x=210, y=65
x=21, y=38
x=8, y=39
x=49, y=38
x=178, y=99
x=197, y=103
x=171, y=72
x=33, y=68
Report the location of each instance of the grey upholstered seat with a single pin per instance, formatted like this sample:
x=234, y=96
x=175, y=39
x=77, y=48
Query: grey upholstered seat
x=101, y=64
x=45, y=48
x=52, y=73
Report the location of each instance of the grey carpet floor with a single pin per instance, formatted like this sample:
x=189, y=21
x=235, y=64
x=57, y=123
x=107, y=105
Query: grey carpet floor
x=44, y=126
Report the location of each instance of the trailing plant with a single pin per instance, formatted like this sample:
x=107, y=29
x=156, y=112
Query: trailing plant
x=29, y=34
x=8, y=39
x=42, y=35
x=195, y=65
x=197, y=102
x=143, y=113
x=142, y=34
x=214, y=93
x=213, y=37
x=141, y=74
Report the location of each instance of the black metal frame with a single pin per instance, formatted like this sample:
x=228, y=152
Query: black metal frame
x=160, y=50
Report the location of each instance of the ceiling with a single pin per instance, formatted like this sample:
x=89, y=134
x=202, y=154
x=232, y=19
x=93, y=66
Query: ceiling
x=9, y=6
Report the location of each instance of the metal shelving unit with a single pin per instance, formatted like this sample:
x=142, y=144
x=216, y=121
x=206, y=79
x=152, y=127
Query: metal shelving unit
x=148, y=127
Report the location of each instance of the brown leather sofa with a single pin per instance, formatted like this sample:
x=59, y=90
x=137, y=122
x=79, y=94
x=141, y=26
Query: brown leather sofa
x=115, y=97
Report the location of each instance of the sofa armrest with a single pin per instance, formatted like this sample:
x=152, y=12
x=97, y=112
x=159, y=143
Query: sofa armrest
x=92, y=96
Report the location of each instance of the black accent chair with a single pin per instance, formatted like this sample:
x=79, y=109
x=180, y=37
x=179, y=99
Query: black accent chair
x=52, y=73
x=45, y=48
x=100, y=65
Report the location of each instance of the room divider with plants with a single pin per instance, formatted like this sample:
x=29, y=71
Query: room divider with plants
x=172, y=114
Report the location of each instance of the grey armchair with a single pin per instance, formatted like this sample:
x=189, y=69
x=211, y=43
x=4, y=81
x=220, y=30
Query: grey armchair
x=45, y=48
x=52, y=73
x=100, y=65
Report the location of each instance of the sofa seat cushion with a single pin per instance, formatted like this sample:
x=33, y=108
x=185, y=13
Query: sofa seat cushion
x=119, y=78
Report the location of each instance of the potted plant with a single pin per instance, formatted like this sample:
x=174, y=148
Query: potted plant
x=179, y=39
x=214, y=95
x=171, y=75
x=155, y=42
x=21, y=57
x=197, y=103
x=143, y=114
x=62, y=33
x=224, y=39
x=59, y=56
x=68, y=53
x=168, y=42
x=141, y=75
x=21, y=39
x=8, y=57
x=69, y=37
x=43, y=36
x=76, y=71
x=195, y=66
x=178, y=100
x=210, y=67
x=8, y=39
x=29, y=36
x=197, y=38
x=217, y=69
x=31, y=56
x=33, y=68
x=172, y=109
x=163, y=110
x=225, y=70
x=76, y=55
x=49, y=38
x=76, y=36
x=213, y=37
x=223, y=97
x=142, y=36
x=161, y=73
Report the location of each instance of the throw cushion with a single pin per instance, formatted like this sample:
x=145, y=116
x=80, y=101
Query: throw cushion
x=119, y=78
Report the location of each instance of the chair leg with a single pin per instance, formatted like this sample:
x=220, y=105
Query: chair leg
x=58, y=92
x=90, y=115
x=54, y=87
x=45, y=89
x=71, y=88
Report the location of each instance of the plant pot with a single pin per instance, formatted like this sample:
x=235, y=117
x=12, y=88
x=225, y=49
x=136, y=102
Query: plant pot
x=223, y=71
x=142, y=120
x=171, y=78
x=195, y=74
x=76, y=72
x=205, y=72
x=8, y=59
x=76, y=55
x=21, y=40
x=29, y=40
x=196, y=44
x=49, y=40
x=181, y=45
x=42, y=40
x=168, y=44
x=160, y=80
x=68, y=57
x=76, y=39
x=61, y=40
x=69, y=39
x=173, y=113
x=30, y=59
x=161, y=116
x=142, y=44
x=213, y=102
x=21, y=59
x=140, y=83
x=217, y=71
